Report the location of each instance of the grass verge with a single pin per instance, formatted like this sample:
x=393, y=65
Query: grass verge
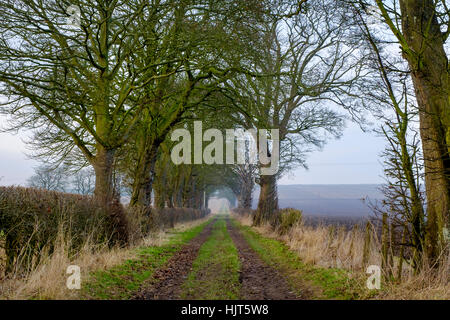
x=122, y=281
x=215, y=272
x=324, y=283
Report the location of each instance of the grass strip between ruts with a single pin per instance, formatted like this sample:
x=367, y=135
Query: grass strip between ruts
x=215, y=272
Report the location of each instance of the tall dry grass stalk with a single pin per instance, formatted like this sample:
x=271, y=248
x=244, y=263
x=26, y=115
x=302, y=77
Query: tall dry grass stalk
x=426, y=285
x=354, y=250
x=48, y=279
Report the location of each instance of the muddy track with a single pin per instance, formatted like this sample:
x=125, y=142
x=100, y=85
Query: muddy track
x=259, y=281
x=166, y=282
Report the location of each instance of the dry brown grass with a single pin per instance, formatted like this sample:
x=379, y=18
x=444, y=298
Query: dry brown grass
x=47, y=280
x=323, y=246
x=427, y=285
x=32, y=220
x=327, y=246
x=46, y=231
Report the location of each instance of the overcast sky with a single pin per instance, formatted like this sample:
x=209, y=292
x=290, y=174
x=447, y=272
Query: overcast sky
x=14, y=166
x=354, y=159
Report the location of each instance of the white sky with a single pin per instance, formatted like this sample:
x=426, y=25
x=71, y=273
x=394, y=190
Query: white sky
x=353, y=159
x=15, y=167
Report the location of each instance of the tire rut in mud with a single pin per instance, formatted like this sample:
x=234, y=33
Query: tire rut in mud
x=166, y=282
x=258, y=280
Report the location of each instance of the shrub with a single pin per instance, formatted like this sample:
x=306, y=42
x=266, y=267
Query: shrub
x=32, y=219
x=243, y=211
x=285, y=219
x=118, y=226
x=145, y=220
x=168, y=217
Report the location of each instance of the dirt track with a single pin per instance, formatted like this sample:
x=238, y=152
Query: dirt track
x=166, y=282
x=258, y=281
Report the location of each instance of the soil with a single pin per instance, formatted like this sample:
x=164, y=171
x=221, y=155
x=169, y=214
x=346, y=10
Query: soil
x=166, y=282
x=259, y=281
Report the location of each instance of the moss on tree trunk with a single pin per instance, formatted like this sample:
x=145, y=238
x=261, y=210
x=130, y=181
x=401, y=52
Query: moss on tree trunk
x=103, y=167
x=268, y=199
x=424, y=50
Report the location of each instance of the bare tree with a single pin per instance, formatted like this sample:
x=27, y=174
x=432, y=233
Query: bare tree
x=83, y=182
x=422, y=28
x=187, y=35
x=305, y=62
x=73, y=83
x=389, y=89
x=48, y=178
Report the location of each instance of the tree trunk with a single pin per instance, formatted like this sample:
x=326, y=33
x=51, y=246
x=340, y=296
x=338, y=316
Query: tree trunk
x=247, y=194
x=240, y=203
x=187, y=189
x=268, y=200
x=169, y=197
x=385, y=265
x=198, y=199
x=429, y=67
x=144, y=175
x=103, y=167
x=206, y=200
x=170, y=202
x=417, y=218
x=178, y=197
x=160, y=197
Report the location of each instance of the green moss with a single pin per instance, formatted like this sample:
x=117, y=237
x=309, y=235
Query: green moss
x=215, y=272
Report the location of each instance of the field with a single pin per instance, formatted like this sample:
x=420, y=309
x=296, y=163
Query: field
x=223, y=258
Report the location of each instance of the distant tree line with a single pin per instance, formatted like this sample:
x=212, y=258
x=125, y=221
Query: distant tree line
x=57, y=179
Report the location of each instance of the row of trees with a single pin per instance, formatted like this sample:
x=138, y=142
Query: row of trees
x=107, y=93
x=114, y=87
